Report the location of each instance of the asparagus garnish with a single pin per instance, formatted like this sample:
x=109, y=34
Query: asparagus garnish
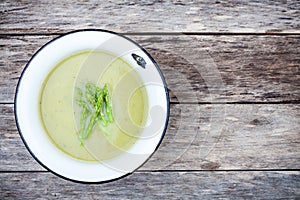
x=108, y=104
x=95, y=108
x=85, y=112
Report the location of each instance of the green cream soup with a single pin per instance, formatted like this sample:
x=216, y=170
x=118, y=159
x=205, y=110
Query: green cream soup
x=60, y=113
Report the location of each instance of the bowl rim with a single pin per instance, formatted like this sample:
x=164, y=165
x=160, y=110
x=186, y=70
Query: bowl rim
x=118, y=35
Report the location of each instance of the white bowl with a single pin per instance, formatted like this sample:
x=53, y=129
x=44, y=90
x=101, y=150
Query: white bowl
x=28, y=116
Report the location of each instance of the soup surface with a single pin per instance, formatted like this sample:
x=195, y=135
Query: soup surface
x=60, y=113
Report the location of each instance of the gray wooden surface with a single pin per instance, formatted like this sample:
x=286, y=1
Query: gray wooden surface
x=151, y=16
x=158, y=185
x=233, y=72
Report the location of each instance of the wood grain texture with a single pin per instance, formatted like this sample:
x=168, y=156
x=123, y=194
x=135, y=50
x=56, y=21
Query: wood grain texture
x=157, y=16
x=166, y=185
x=200, y=137
x=196, y=68
x=241, y=52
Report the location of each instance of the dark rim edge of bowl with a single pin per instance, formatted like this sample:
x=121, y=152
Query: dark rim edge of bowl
x=157, y=68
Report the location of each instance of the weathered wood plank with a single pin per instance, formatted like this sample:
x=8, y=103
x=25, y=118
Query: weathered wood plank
x=200, y=137
x=229, y=69
x=150, y=16
x=166, y=185
x=197, y=69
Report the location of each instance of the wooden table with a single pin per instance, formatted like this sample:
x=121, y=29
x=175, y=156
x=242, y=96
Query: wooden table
x=233, y=71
